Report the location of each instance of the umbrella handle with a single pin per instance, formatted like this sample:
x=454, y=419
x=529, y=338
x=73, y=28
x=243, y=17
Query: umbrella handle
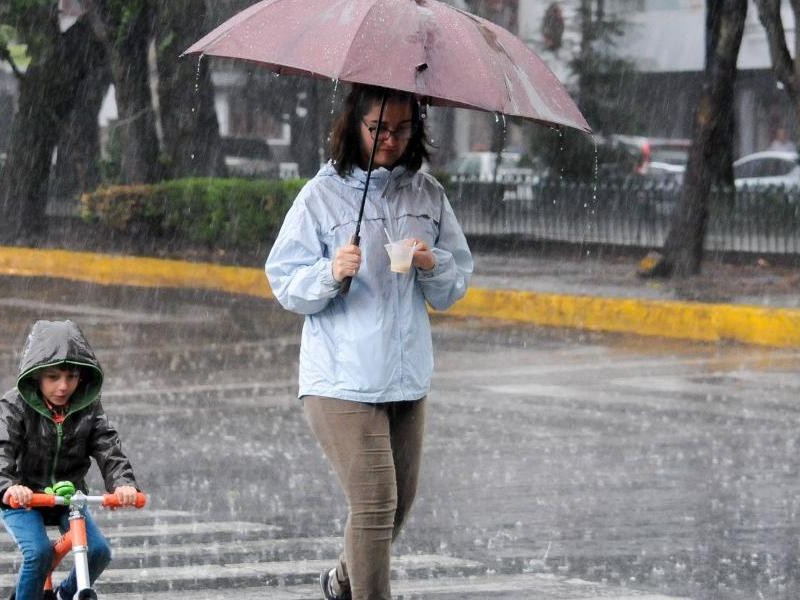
x=356, y=241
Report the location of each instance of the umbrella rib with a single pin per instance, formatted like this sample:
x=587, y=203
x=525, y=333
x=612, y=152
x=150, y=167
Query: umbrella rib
x=353, y=38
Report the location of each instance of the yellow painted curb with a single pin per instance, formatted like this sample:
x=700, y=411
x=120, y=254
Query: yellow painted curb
x=110, y=269
x=686, y=320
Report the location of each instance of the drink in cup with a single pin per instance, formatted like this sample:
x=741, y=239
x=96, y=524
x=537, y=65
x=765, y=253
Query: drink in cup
x=400, y=255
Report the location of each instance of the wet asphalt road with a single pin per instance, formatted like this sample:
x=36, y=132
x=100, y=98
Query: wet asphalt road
x=558, y=464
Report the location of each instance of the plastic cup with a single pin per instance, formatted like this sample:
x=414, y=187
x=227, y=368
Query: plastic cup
x=400, y=255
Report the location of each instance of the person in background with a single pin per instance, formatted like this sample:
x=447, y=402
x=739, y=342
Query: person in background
x=782, y=142
x=366, y=357
x=51, y=425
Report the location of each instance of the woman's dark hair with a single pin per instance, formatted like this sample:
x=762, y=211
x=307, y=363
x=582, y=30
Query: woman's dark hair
x=346, y=140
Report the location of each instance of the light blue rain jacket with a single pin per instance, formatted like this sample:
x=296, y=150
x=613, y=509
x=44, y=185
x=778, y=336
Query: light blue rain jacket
x=374, y=344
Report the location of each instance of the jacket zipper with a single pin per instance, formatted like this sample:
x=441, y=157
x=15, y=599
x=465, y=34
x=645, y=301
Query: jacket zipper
x=59, y=439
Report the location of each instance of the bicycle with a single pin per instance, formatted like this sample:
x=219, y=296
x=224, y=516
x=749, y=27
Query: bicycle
x=74, y=539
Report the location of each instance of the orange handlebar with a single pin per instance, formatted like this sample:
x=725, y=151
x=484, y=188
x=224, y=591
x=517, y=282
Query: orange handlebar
x=110, y=501
x=37, y=500
x=46, y=500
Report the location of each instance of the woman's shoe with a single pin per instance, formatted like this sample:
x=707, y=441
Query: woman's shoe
x=325, y=581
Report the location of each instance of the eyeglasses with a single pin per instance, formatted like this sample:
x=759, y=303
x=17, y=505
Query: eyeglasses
x=401, y=134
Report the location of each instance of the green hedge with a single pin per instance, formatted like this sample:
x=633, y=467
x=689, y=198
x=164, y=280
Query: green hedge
x=220, y=212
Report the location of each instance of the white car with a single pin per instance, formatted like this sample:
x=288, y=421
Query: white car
x=767, y=168
x=480, y=166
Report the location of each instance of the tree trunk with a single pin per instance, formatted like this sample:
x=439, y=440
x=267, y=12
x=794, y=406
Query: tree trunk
x=77, y=166
x=306, y=126
x=710, y=157
x=46, y=97
x=785, y=68
x=186, y=94
x=126, y=31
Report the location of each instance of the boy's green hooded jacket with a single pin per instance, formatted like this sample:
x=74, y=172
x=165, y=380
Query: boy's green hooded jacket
x=35, y=451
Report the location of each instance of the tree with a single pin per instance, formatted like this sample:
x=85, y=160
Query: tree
x=186, y=94
x=125, y=30
x=786, y=70
x=47, y=92
x=307, y=120
x=710, y=156
x=77, y=166
x=600, y=94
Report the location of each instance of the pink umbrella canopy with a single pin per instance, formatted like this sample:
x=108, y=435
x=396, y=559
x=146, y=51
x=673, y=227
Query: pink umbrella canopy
x=446, y=56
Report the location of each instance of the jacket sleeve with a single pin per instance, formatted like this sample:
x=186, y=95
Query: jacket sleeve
x=11, y=432
x=106, y=449
x=299, y=273
x=447, y=282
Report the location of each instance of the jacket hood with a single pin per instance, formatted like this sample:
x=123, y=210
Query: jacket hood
x=52, y=344
x=379, y=179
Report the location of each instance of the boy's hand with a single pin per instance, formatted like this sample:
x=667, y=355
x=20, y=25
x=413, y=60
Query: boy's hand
x=20, y=493
x=126, y=494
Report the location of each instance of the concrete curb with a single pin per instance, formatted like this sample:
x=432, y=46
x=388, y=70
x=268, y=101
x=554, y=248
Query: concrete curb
x=779, y=327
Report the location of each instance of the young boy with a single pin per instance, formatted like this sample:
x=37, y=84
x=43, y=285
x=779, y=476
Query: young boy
x=51, y=424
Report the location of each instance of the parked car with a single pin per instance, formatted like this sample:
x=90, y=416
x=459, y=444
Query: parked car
x=480, y=166
x=248, y=157
x=629, y=157
x=767, y=168
x=663, y=173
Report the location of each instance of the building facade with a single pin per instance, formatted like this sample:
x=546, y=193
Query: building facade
x=665, y=39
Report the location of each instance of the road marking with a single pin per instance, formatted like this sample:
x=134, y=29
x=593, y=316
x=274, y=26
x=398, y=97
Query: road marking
x=263, y=571
x=100, y=314
x=251, y=386
x=415, y=576
x=194, y=528
x=538, y=586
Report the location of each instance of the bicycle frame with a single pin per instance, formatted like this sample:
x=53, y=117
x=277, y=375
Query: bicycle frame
x=74, y=539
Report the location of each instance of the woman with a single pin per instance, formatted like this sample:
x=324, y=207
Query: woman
x=366, y=356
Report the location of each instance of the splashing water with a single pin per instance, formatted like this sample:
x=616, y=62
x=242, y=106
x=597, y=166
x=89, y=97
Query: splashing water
x=196, y=107
x=333, y=96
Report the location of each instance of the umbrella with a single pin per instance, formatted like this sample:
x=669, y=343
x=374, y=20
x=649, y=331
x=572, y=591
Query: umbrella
x=445, y=56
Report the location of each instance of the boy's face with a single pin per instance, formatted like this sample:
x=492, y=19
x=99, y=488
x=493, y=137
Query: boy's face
x=57, y=385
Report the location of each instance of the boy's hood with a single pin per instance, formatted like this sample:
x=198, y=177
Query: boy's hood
x=54, y=343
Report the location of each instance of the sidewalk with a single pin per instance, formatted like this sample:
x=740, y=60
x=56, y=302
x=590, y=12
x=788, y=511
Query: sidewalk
x=615, y=277
x=755, y=304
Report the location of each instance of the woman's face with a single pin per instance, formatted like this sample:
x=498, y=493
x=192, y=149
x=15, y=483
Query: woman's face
x=396, y=130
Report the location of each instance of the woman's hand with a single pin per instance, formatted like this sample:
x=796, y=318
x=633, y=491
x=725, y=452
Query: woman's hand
x=346, y=262
x=20, y=493
x=424, y=257
x=126, y=494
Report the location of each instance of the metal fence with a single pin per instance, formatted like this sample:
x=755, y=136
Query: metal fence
x=755, y=220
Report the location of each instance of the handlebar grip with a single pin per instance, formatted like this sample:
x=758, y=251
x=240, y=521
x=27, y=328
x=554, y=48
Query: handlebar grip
x=37, y=501
x=111, y=501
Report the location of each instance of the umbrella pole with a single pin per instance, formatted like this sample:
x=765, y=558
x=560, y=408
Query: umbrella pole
x=356, y=239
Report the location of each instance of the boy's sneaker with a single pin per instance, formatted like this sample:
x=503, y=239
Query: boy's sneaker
x=326, y=582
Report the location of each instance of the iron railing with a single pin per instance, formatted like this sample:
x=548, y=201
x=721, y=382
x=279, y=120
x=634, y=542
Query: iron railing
x=750, y=220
